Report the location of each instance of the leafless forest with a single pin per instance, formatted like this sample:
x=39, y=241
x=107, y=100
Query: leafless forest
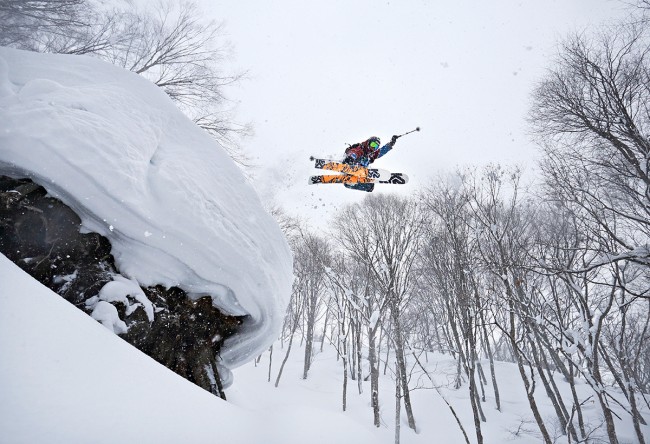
x=553, y=276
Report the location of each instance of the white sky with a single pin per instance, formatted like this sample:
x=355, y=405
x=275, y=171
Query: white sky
x=327, y=73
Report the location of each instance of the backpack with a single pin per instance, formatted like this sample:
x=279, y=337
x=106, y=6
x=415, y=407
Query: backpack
x=360, y=150
x=355, y=150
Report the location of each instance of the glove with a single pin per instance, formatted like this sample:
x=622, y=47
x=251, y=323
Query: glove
x=393, y=140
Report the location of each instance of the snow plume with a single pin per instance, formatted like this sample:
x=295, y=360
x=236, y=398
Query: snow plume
x=175, y=208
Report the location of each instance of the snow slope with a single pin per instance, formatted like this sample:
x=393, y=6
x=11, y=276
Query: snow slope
x=176, y=209
x=64, y=378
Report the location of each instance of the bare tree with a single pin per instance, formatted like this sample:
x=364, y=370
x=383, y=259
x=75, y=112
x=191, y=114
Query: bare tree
x=291, y=226
x=449, y=266
x=22, y=20
x=358, y=300
x=169, y=42
x=591, y=113
x=384, y=233
x=504, y=238
x=183, y=54
x=291, y=324
x=310, y=264
x=339, y=306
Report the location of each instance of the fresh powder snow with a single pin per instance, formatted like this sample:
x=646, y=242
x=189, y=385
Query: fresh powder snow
x=66, y=379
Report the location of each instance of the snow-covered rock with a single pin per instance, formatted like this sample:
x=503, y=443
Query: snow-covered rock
x=175, y=208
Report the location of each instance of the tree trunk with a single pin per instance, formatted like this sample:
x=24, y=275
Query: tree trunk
x=530, y=388
x=309, y=343
x=552, y=392
x=345, y=382
x=217, y=378
x=351, y=330
x=488, y=347
x=576, y=402
x=270, y=360
x=635, y=414
x=481, y=379
x=473, y=389
x=284, y=361
x=359, y=359
x=600, y=392
x=374, y=376
x=327, y=315
x=401, y=364
x=626, y=388
x=473, y=396
x=398, y=406
x=388, y=342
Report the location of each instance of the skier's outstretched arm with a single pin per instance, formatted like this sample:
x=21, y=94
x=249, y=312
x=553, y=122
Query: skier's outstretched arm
x=386, y=148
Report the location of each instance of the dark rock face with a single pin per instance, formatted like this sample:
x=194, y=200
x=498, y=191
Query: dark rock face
x=41, y=235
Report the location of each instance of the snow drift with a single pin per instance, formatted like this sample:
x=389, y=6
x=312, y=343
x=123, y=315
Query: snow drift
x=175, y=208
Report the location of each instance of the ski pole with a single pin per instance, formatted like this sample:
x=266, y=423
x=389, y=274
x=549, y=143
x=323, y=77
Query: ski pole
x=409, y=132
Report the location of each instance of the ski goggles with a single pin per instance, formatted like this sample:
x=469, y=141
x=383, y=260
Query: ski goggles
x=374, y=145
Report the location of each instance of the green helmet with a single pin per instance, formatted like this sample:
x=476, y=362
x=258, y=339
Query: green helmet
x=374, y=143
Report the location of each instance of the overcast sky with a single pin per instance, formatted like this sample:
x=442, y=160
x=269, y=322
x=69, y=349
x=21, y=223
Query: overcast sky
x=327, y=73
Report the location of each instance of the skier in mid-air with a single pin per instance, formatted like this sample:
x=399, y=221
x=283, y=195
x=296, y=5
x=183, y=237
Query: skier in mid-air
x=354, y=167
x=365, y=153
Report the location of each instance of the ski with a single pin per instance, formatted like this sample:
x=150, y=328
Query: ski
x=394, y=178
x=354, y=170
x=339, y=178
